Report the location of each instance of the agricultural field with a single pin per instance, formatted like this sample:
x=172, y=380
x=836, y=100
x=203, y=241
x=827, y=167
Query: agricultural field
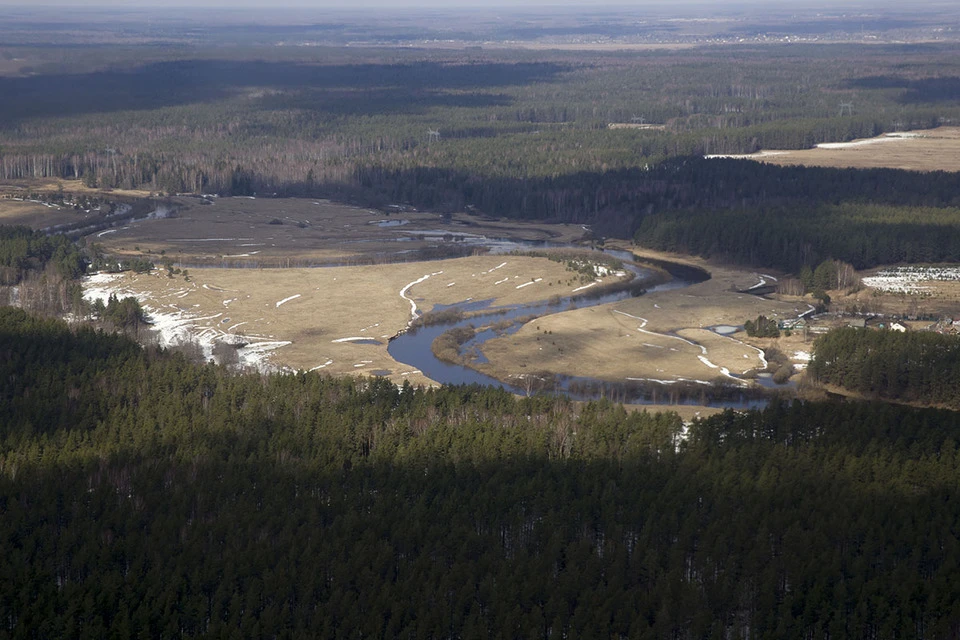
x=929, y=150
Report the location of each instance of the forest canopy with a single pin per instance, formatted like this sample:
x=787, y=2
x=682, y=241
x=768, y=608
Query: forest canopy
x=144, y=495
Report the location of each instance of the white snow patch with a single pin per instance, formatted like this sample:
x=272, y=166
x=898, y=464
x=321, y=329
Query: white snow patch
x=285, y=300
x=863, y=143
x=586, y=286
x=499, y=266
x=322, y=366
x=527, y=284
x=403, y=293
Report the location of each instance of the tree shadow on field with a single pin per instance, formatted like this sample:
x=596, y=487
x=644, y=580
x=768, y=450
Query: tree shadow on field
x=346, y=88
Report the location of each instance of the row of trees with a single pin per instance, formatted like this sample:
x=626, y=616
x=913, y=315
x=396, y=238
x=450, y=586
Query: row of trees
x=144, y=495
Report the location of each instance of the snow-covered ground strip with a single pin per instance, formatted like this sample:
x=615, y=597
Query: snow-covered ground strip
x=586, y=286
x=888, y=137
x=322, y=366
x=499, y=266
x=286, y=300
x=350, y=339
x=740, y=156
x=908, y=279
x=693, y=380
x=527, y=284
x=403, y=292
x=500, y=281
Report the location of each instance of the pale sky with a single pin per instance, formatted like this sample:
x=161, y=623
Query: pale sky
x=449, y=4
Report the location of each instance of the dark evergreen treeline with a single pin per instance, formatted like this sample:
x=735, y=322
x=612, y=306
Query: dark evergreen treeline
x=750, y=213
x=919, y=366
x=23, y=250
x=144, y=496
x=619, y=200
x=805, y=234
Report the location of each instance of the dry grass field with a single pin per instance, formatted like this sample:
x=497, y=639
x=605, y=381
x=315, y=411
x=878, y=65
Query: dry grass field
x=36, y=215
x=335, y=319
x=663, y=336
x=247, y=232
x=924, y=150
x=47, y=185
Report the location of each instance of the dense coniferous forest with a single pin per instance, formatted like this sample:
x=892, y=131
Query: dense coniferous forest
x=144, y=495
x=921, y=366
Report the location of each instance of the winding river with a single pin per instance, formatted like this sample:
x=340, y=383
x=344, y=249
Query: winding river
x=413, y=347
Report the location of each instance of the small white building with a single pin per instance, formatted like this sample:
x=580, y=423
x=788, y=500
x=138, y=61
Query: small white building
x=896, y=326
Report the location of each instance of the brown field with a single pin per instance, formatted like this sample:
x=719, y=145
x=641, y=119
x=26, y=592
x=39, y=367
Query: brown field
x=659, y=336
x=940, y=299
x=297, y=232
x=38, y=216
x=304, y=312
x=924, y=150
x=687, y=412
x=68, y=186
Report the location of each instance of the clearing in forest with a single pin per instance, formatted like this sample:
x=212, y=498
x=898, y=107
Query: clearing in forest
x=923, y=150
x=664, y=336
x=336, y=319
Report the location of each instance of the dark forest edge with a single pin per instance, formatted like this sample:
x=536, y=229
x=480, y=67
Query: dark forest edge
x=915, y=367
x=143, y=494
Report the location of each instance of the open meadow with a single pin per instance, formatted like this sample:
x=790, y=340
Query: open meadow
x=928, y=150
x=38, y=215
x=689, y=335
x=336, y=319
